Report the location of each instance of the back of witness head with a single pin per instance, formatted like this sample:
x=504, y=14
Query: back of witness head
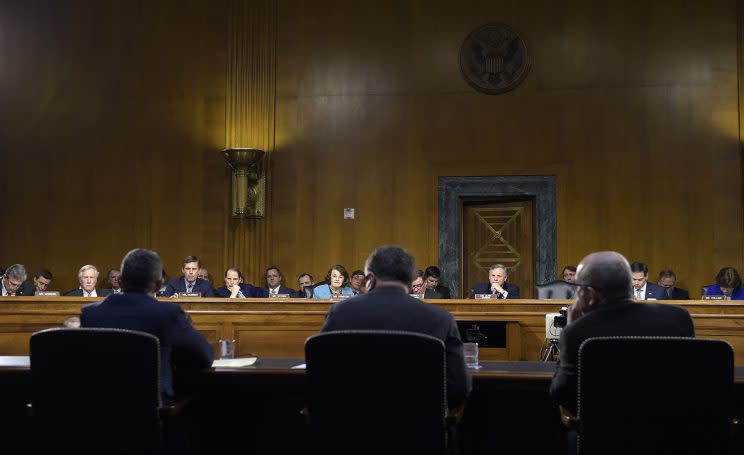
x=141, y=271
x=391, y=263
x=608, y=272
x=728, y=277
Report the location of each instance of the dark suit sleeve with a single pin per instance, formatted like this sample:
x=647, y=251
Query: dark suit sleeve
x=190, y=348
x=208, y=291
x=169, y=289
x=564, y=386
x=458, y=380
x=513, y=292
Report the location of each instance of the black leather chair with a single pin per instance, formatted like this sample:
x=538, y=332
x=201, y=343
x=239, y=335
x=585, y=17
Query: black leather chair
x=654, y=395
x=376, y=392
x=556, y=290
x=96, y=391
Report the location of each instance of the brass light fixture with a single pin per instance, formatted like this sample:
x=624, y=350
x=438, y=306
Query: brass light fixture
x=248, y=182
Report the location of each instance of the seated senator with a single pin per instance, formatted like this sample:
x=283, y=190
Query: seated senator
x=497, y=285
x=234, y=286
x=274, y=287
x=728, y=284
x=337, y=283
x=189, y=281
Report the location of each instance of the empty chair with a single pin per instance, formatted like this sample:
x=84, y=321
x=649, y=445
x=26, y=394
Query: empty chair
x=95, y=391
x=556, y=290
x=654, y=395
x=376, y=392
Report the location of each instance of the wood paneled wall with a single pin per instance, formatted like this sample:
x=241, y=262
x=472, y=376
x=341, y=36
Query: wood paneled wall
x=112, y=118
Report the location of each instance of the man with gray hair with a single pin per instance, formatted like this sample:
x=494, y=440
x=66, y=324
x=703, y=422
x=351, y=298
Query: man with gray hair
x=13, y=279
x=88, y=277
x=387, y=306
x=497, y=286
x=605, y=307
x=137, y=309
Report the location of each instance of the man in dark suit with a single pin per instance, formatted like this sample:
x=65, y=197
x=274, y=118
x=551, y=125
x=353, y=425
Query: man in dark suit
x=234, y=287
x=642, y=289
x=112, y=278
x=432, y=276
x=274, y=286
x=42, y=279
x=190, y=281
x=181, y=345
x=88, y=277
x=667, y=280
x=12, y=281
x=387, y=306
x=497, y=285
x=419, y=288
x=305, y=284
x=605, y=307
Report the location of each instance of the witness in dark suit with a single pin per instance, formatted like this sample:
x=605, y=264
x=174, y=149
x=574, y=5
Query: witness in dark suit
x=387, y=306
x=432, y=276
x=12, y=281
x=274, y=277
x=642, y=289
x=190, y=281
x=234, y=287
x=88, y=277
x=605, y=307
x=181, y=345
x=42, y=280
x=497, y=285
x=667, y=280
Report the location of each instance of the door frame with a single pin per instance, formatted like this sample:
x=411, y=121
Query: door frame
x=453, y=189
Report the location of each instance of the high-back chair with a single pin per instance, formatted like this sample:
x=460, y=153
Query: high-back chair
x=376, y=392
x=654, y=395
x=95, y=391
x=556, y=290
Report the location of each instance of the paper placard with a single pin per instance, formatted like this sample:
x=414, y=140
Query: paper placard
x=48, y=293
x=234, y=363
x=485, y=296
x=417, y=296
x=714, y=297
x=183, y=295
x=340, y=296
x=279, y=296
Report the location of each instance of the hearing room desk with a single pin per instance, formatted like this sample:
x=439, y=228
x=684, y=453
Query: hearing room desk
x=277, y=328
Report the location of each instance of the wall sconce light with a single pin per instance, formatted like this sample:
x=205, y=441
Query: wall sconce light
x=248, y=182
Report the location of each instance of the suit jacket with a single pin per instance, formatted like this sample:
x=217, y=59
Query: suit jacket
x=26, y=289
x=392, y=309
x=677, y=294
x=654, y=292
x=79, y=292
x=736, y=294
x=178, y=285
x=623, y=318
x=485, y=288
x=432, y=294
x=264, y=291
x=444, y=291
x=181, y=344
x=246, y=289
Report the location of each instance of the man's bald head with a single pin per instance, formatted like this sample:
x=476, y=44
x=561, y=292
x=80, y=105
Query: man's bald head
x=608, y=272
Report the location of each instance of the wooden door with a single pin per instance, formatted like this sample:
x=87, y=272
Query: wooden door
x=498, y=231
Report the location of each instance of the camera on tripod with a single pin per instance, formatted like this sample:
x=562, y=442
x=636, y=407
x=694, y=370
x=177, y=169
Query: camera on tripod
x=562, y=318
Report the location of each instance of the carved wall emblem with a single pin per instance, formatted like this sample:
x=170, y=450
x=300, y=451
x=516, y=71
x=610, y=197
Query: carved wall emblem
x=493, y=58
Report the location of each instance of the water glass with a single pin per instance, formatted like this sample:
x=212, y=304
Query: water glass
x=227, y=349
x=471, y=355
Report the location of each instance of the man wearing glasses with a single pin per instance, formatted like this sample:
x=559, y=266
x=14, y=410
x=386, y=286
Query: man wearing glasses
x=605, y=307
x=418, y=287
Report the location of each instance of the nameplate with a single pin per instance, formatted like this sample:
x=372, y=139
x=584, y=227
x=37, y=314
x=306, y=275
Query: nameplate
x=183, y=295
x=714, y=297
x=417, y=296
x=279, y=296
x=485, y=296
x=48, y=293
x=340, y=296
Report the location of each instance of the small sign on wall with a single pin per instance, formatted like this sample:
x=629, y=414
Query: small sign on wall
x=348, y=213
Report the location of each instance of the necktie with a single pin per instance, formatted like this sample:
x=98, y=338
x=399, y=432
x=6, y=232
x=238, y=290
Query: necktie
x=189, y=287
x=273, y=293
x=638, y=294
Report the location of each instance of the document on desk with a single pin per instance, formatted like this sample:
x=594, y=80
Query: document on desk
x=234, y=363
x=299, y=367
